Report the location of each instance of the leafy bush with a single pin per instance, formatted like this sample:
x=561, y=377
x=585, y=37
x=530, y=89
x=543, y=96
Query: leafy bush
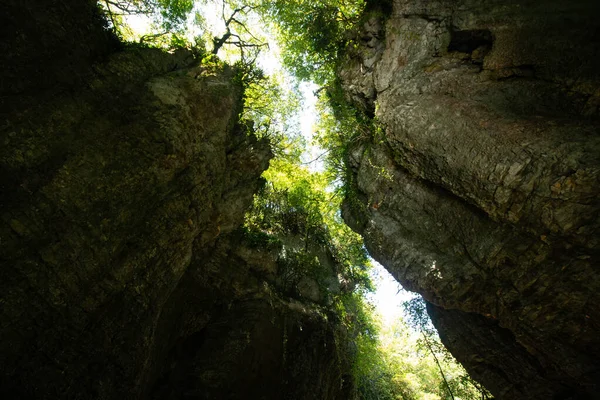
x=297, y=202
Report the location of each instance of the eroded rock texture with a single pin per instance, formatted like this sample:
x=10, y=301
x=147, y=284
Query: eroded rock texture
x=482, y=191
x=124, y=175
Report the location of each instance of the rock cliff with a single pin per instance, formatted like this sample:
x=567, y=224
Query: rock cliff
x=124, y=177
x=481, y=191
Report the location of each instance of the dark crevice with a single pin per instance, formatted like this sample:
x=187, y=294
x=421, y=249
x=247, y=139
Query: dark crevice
x=384, y=6
x=467, y=41
x=426, y=17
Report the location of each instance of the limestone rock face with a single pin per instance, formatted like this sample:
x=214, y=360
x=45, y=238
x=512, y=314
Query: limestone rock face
x=481, y=192
x=124, y=176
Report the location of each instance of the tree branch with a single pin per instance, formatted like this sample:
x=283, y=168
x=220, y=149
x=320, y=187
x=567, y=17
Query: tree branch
x=218, y=43
x=438, y=364
x=110, y=14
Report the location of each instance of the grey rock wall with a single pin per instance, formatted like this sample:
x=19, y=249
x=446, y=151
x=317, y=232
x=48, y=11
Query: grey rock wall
x=481, y=191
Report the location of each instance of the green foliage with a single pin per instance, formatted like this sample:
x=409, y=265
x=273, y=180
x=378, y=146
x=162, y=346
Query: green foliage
x=297, y=202
x=340, y=126
x=371, y=373
x=272, y=105
x=239, y=34
x=454, y=381
x=394, y=364
x=171, y=24
x=167, y=15
x=312, y=33
x=259, y=239
x=174, y=12
x=391, y=361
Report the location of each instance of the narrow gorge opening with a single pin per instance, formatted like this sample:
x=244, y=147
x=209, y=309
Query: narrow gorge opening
x=196, y=196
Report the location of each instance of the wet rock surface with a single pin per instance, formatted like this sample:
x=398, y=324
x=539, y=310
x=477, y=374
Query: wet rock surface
x=481, y=190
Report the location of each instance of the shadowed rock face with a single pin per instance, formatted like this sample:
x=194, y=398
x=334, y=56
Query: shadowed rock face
x=230, y=336
x=482, y=192
x=123, y=178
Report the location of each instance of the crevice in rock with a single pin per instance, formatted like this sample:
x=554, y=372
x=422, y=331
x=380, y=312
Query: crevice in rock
x=467, y=41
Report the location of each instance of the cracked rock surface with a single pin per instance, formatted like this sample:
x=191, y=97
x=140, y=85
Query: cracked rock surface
x=482, y=190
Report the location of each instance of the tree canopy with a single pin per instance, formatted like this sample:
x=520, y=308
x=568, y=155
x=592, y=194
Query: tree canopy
x=168, y=15
x=312, y=33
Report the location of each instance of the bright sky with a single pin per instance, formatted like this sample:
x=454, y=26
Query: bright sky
x=389, y=295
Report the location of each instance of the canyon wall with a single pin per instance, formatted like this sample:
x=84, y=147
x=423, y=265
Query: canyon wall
x=481, y=189
x=125, y=174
